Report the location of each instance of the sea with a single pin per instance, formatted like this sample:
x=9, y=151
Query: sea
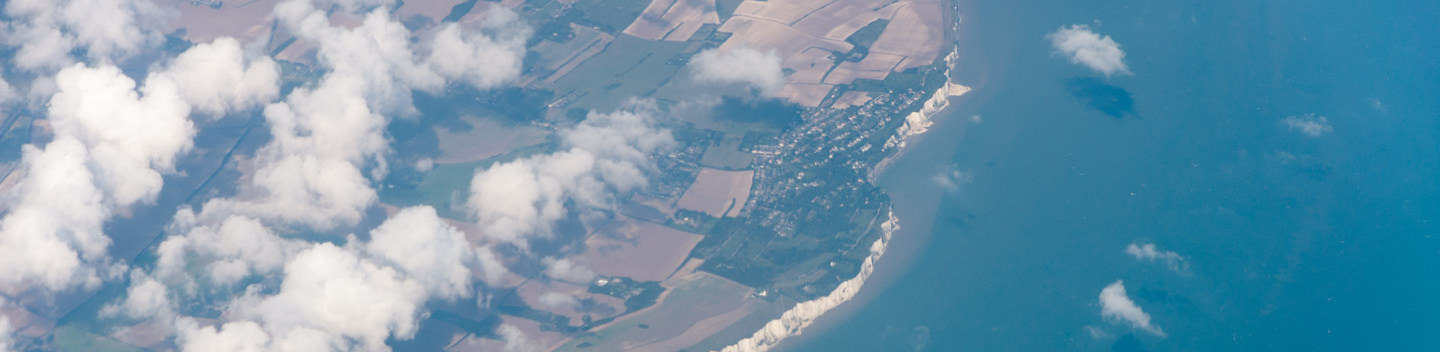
x=1281, y=240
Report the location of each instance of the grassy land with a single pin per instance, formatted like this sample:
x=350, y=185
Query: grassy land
x=726, y=8
x=610, y=15
x=691, y=301
x=725, y=154
x=459, y=10
x=71, y=338
x=867, y=35
x=629, y=67
x=553, y=53
x=446, y=185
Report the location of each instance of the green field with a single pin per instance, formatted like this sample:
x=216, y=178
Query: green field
x=552, y=54
x=71, y=338
x=445, y=186
x=725, y=154
x=610, y=15
x=694, y=299
x=629, y=67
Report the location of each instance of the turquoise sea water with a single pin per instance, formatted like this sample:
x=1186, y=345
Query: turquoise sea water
x=1292, y=242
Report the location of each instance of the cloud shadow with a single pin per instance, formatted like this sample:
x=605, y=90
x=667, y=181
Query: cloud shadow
x=1101, y=96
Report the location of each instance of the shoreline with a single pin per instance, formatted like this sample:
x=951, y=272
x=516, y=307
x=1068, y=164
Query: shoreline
x=794, y=321
x=919, y=207
x=803, y=315
x=918, y=122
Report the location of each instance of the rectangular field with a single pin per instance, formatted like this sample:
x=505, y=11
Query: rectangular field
x=719, y=193
x=639, y=250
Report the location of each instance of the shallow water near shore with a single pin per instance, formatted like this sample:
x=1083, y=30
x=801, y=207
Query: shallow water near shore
x=1289, y=241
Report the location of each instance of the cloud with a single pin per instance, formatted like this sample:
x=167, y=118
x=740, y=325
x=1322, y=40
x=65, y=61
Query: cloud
x=7, y=339
x=484, y=57
x=7, y=92
x=553, y=300
x=515, y=340
x=492, y=270
x=1083, y=46
x=1378, y=105
x=312, y=173
x=52, y=236
x=47, y=31
x=218, y=77
x=7, y=332
x=382, y=61
x=1311, y=125
x=353, y=297
x=327, y=143
x=334, y=295
x=113, y=142
x=759, y=69
x=424, y=164
x=240, y=336
x=219, y=253
x=1116, y=305
x=607, y=154
x=951, y=180
x=132, y=138
x=145, y=298
x=1097, y=333
x=1148, y=252
x=444, y=266
x=566, y=270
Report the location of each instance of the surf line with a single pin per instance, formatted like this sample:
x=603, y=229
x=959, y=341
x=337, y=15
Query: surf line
x=797, y=318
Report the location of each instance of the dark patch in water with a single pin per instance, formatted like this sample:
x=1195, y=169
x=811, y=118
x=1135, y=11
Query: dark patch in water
x=1128, y=343
x=1101, y=96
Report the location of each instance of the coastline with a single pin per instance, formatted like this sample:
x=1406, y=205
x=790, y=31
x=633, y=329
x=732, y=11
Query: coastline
x=794, y=321
x=918, y=122
x=917, y=203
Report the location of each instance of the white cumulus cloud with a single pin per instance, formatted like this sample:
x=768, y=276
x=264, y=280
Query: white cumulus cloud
x=240, y=336
x=47, y=31
x=418, y=242
x=324, y=137
x=553, y=300
x=145, y=298
x=607, y=154
x=132, y=138
x=952, y=179
x=515, y=340
x=1150, y=253
x=567, y=270
x=327, y=143
x=115, y=139
x=333, y=295
x=7, y=330
x=347, y=298
x=1116, y=305
x=218, y=77
x=1083, y=46
x=485, y=56
x=1311, y=125
x=219, y=253
x=6, y=338
x=52, y=236
x=113, y=143
x=760, y=69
